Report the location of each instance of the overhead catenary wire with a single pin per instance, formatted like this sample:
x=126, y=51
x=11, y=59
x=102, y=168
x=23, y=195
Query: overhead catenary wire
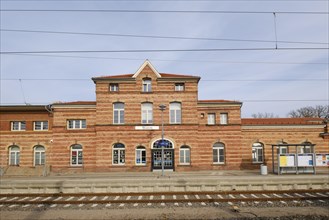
x=210, y=80
x=174, y=60
x=158, y=36
x=163, y=50
x=242, y=100
x=164, y=0
x=165, y=11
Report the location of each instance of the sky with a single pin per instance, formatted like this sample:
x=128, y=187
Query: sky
x=271, y=55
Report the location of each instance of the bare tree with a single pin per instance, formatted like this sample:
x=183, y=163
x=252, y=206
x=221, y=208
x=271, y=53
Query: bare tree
x=319, y=111
x=264, y=115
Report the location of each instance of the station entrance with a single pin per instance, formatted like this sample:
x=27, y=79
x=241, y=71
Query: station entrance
x=168, y=155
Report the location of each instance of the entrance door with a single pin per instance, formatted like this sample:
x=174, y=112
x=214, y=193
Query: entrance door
x=168, y=159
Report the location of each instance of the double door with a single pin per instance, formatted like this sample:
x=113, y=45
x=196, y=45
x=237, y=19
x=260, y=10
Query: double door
x=168, y=159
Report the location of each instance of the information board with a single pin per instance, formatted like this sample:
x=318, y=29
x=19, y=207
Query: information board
x=322, y=160
x=287, y=160
x=305, y=160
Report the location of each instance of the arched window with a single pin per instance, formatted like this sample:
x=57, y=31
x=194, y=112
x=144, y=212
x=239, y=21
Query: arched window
x=118, y=113
x=184, y=155
x=283, y=149
x=147, y=85
x=140, y=155
x=175, y=110
x=14, y=155
x=39, y=155
x=307, y=148
x=165, y=143
x=218, y=150
x=118, y=153
x=76, y=155
x=257, y=152
x=147, y=113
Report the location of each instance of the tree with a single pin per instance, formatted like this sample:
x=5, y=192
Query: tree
x=264, y=115
x=319, y=111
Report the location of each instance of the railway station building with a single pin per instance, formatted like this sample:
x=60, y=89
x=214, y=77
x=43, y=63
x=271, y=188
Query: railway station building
x=125, y=130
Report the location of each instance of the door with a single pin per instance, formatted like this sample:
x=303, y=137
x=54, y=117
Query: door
x=168, y=159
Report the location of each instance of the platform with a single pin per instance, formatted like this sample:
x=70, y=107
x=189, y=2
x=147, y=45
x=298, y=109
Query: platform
x=155, y=182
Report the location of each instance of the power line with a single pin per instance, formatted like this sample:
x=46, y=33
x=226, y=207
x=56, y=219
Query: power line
x=169, y=60
x=164, y=0
x=243, y=100
x=163, y=50
x=164, y=11
x=207, y=80
x=156, y=36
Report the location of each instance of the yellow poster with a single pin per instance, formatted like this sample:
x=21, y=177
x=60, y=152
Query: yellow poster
x=283, y=161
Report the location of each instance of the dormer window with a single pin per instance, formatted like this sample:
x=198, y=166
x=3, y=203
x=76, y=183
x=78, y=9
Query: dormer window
x=179, y=87
x=147, y=85
x=114, y=87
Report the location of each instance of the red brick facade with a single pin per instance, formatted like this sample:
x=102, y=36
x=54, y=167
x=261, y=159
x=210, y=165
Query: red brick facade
x=192, y=136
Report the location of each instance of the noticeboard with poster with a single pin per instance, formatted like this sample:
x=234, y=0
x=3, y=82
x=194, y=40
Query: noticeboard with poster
x=287, y=160
x=322, y=160
x=305, y=160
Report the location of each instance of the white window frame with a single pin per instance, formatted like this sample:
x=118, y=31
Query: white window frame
x=14, y=155
x=211, y=120
x=76, y=124
x=39, y=155
x=147, y=85
x=175, y=113
x=120, y=112
x=76, y=149
x=114, y=87
x=147, y=113
x=185, y=155
x=223, y=118
x=44, y=126
x=121, y=160
x=140, y=150
x=18, y=125
x=179, y=87
x=257, y=147
x=219, y=148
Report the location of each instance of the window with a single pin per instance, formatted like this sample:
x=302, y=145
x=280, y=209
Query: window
x=165, y=143
x=282, y=149
x=211, y=118
x=184, y=155
x=118, y=154
x=76, y=155
x=114, y=87
x=175, y=113
x=76, y=124
x=118, y=113
x=140, y=156
x=179, y=87
x=257, y=152
x=39, y=155
x=147, y=85
x=218, y=153
x=306, y=149
x=14, y=155
x=18, y=125
x=147, y=113
x=40, y=125
x=223, y=118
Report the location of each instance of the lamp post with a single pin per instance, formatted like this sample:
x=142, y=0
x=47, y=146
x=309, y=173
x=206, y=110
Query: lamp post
x=162, y=107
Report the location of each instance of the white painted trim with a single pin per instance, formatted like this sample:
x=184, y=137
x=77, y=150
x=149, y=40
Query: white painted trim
x=147, y=62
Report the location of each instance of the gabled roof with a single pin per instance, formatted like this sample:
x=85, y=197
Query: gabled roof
x=281, y=121
x=146, y=63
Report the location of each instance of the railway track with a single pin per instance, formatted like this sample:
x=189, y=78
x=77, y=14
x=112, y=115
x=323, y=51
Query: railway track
x=163, y=198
